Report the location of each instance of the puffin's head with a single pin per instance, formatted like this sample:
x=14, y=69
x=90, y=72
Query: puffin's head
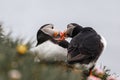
x=49, y=30
x=72, y=30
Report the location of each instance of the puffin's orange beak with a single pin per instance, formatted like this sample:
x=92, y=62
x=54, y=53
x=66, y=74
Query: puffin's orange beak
x=62, y=36
x=55, y=34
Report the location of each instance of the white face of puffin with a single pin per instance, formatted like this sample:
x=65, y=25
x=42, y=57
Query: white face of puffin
x=69, y=30
x=49, y=29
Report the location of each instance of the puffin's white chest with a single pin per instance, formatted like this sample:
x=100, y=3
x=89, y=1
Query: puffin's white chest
x=50, y=51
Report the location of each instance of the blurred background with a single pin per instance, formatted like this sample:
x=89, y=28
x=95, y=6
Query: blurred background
x=25, y=17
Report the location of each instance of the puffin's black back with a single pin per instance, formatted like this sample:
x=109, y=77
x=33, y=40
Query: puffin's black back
x=87, y=45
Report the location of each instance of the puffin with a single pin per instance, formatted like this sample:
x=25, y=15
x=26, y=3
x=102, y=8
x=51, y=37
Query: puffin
x=86, y=45
x=50, y=45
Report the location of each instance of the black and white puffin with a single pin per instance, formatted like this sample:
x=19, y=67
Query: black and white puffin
x=48, y=47
x=85, y=46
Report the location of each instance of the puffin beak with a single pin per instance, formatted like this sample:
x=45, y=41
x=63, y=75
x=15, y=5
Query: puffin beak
x=56, y=34
x=62, y=36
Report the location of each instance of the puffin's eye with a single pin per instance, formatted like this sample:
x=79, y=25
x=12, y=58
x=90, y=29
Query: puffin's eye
x=52, y=27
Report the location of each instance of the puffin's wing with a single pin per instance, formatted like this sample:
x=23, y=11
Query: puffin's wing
x=74, y=54
x=73, y=48
x=84, y=48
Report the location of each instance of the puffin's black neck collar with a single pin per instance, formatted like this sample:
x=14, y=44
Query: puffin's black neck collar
x=76, y=30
